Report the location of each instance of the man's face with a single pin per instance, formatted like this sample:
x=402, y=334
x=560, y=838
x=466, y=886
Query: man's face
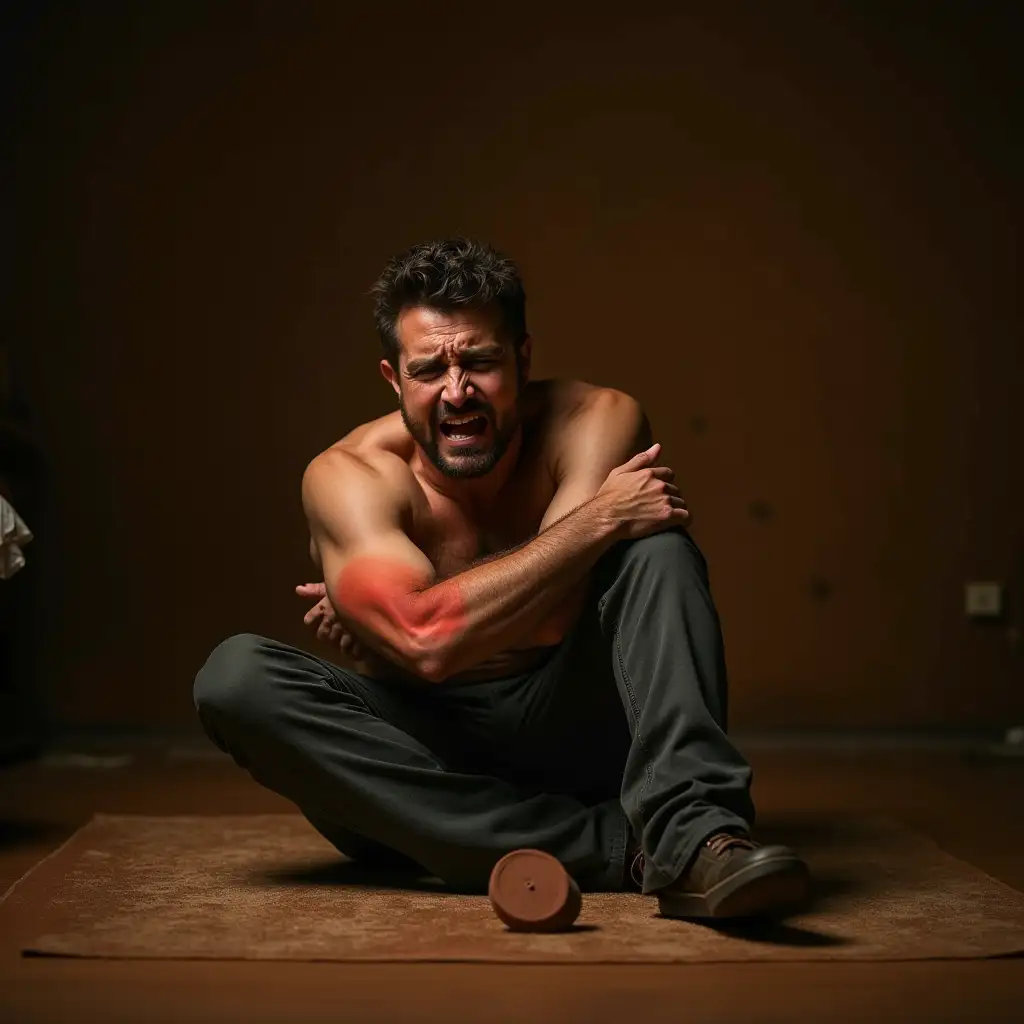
x=458, y=385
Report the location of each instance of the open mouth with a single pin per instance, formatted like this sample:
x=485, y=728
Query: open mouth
x=464, y=428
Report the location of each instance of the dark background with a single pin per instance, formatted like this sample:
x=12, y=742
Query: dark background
x=789, y=229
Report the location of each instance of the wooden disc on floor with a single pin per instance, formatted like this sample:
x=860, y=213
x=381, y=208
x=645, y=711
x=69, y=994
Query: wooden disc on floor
x=531, y=892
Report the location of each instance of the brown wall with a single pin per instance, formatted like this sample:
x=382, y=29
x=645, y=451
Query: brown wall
x=788, y=233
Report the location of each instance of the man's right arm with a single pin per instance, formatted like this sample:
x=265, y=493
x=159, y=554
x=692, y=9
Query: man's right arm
x=372, y=571
x=385, y=590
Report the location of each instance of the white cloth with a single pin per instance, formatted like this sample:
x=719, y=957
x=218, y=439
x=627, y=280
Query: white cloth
x=13, y=534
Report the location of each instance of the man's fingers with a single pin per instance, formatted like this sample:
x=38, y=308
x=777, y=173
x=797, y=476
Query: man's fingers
x=351, y=646
x=321, y=610
x=641, y=459
x=663, y=473
x=644, y=457
x=681, y=514
x=311, y=590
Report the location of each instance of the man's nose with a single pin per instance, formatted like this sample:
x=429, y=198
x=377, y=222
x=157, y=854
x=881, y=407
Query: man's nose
x=457, y=388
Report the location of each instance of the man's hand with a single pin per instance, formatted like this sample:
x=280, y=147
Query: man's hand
x=641, y=498
x=323, y=617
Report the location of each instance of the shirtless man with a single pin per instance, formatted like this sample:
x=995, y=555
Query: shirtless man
x=538, y=660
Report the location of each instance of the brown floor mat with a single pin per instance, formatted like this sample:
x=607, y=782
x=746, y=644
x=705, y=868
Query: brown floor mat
x=269, y=887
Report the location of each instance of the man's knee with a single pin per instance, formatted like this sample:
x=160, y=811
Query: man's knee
x=673, y=550
x=235, y=682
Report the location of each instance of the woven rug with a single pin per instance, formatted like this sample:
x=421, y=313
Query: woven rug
x=268, y=887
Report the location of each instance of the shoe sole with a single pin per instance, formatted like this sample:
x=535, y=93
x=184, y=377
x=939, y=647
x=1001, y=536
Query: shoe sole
x=771, y=887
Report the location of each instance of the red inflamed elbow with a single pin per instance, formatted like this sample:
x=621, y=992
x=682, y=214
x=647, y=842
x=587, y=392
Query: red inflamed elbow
x=387, y=597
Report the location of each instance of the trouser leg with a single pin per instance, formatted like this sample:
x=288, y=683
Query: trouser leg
x=683, y=777
x=379, y=761
x=366, y=851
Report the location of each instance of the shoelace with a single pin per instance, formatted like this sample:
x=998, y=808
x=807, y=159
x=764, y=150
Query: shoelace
x=636, y=870
x=721, y=842
x=718, y=844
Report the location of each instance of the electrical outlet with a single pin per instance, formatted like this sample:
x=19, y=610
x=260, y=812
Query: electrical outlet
x=983, y=600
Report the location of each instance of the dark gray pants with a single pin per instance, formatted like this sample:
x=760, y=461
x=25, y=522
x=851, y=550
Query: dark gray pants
x=623, y=728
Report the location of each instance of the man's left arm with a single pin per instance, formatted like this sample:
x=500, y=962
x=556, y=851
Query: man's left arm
x=607, y=430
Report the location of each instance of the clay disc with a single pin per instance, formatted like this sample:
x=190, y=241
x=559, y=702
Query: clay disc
x=531, y=892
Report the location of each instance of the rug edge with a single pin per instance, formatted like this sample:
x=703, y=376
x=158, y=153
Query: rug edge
x=39, y=953
x=899, y=825
x=52, y=855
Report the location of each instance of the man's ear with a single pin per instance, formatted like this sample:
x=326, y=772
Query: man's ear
x=390, y=376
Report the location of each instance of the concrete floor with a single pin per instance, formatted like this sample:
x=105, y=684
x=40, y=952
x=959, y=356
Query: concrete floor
x=972, y=806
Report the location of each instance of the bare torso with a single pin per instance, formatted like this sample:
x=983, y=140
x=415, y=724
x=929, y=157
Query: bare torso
x=453, y=538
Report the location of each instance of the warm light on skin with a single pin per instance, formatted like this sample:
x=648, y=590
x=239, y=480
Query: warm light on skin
x=385, y=596
x=454, y=363
x=451, y=363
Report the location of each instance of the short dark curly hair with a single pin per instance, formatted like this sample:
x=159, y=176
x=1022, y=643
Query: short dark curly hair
x=450, y=274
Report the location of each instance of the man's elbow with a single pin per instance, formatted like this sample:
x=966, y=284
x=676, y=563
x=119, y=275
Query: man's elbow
x=432, y=630
x=428, y=657
x=416, y=629
x=434, y=669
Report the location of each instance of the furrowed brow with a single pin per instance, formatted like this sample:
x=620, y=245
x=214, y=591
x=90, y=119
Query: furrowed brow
x=435, y=363
x=419, y=365
x=476, y=351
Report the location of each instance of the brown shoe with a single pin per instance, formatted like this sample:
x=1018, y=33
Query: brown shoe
x=732, y=876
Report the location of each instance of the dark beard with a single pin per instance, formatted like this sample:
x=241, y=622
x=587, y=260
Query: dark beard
x=472, y=460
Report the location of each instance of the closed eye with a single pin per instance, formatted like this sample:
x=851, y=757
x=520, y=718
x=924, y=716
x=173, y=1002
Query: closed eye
x=430, y=372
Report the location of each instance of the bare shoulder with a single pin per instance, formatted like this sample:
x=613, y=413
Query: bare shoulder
x=343, y=476
x=574, y=406
x=375, y=453
x=385, y=433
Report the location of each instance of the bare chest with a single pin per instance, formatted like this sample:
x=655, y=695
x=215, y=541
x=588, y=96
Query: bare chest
x=454, y=540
